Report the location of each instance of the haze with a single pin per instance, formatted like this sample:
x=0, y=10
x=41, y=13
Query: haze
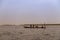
x=29, y=11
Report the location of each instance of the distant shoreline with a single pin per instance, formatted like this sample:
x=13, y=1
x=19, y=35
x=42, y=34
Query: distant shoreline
x=27, y=24
x=42, y=24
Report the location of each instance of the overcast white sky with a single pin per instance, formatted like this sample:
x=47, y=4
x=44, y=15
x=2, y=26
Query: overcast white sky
x=29, y=11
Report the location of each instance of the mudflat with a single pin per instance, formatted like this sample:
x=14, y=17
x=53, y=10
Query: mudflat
x=21, y=33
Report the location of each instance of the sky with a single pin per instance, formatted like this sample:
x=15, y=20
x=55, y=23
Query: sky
x=29, y=11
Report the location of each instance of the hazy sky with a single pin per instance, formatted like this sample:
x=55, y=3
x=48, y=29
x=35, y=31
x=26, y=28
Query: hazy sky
x=29, y=11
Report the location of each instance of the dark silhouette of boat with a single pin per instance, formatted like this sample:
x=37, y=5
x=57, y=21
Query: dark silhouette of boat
x=43, y=26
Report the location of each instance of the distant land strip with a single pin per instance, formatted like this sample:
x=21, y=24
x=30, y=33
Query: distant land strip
x=27, y=24
x=41, y=24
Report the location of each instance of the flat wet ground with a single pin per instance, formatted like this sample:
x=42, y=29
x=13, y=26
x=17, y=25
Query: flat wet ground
x=21, y=33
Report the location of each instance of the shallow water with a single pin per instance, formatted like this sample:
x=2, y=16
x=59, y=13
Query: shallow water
x=52, y=32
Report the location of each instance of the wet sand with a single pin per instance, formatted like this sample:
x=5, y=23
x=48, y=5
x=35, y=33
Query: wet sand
x=21, y=33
